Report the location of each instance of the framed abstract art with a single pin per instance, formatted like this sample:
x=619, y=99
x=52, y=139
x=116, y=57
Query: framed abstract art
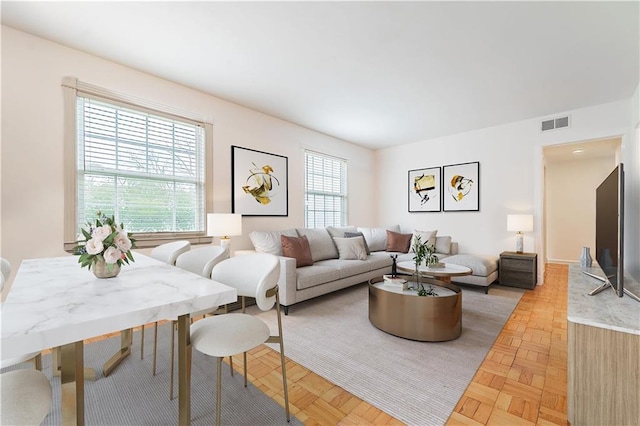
x=424, y=189
x=461, y=187
x=259, y=184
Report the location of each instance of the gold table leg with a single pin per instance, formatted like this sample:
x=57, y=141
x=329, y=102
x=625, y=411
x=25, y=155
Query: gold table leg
x=89, y=373
x=184, y=371
x=72, y=383
x=126, y=339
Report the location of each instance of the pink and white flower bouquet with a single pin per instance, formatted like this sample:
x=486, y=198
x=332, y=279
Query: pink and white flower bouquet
x=104, y=240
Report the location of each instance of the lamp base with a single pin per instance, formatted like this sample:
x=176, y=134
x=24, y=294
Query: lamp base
x=519, y=243
x=225, y=242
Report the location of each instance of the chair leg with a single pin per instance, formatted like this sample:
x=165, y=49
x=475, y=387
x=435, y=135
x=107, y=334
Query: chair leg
x=155, y=346
x=282, y=360
x=173, y=332
x=244, y=356
x=142, y=343
x=284, y=382
x=219, y=391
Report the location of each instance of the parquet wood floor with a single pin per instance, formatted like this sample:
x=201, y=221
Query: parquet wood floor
x=522, y=380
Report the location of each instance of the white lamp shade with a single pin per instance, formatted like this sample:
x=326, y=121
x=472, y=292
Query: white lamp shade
x=224, y=224
x=520, y=222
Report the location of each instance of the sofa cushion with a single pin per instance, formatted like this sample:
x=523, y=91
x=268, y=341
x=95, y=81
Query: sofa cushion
x=339, y=232
x=379, y=259
x=351, y=248
x=358, y=234
x=398, y=242
x=425, y=237
x=298, y=248
x=322, y=246
x=347, y=268
x=318, y=274
x=376, y=238
x=480, y=265
x=443, y=245
x=269, y=241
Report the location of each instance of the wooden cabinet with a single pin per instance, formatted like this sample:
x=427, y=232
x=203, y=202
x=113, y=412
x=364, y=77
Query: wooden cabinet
x=518, y=269
x=603, y=337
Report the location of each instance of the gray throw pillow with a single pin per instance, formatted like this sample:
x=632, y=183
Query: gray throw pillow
x=358, y=234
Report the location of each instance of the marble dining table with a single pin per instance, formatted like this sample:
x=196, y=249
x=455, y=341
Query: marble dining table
x=55, y=303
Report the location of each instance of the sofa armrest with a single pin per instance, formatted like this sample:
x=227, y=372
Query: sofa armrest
x=287, y=281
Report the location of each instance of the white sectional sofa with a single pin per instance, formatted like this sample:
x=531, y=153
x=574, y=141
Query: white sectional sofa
x=333, y=261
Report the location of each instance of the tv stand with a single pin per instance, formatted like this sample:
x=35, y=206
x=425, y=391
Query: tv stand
x=607, y=284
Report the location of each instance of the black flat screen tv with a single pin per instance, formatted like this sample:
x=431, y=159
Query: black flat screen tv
x=610, y=228
x=610, y=234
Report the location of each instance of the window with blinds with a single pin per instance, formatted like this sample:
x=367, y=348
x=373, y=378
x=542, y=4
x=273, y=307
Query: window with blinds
x=147, y=170
x=325, y=191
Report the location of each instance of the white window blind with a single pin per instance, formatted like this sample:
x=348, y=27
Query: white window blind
x=146, y=169
x=325, y=190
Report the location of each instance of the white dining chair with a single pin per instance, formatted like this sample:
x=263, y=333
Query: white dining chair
x=200, y=261
x=35, y=357
x=167, y=253
x=25, y=397
x=252, y=275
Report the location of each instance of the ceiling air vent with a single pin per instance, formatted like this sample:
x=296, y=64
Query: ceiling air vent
x=554, y=123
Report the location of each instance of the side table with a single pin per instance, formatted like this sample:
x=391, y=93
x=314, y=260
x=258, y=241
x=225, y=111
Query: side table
x=518, y=269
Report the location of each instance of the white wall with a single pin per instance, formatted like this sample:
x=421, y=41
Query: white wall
x=631, y=159
x=32, y=143
x=505, y=187
x=570, y=205
x=510, y=156
x=511, y=176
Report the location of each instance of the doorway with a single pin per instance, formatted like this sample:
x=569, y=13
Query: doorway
x=572, y=172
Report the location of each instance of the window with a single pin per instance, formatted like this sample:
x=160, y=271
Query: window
x=145, y=166
x=325, y=191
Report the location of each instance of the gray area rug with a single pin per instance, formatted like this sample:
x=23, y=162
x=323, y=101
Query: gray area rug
x=131, y=395
x=419, y=383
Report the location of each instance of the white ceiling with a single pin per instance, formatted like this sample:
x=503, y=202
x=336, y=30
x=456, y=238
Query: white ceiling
x=585, y=150
x=373, y=73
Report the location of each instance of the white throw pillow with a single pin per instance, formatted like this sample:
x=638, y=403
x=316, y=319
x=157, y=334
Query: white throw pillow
x=377, y=237
x=322, y=246
x=443, y=245
x=351, y=248
x=425, y=236
x=269, y=241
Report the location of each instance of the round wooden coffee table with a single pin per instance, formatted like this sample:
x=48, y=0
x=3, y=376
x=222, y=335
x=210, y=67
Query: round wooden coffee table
x=443, y=274
x=424, y=318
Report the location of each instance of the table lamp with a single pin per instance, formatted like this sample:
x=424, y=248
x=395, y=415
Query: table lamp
x=519, y=223
x=224, y=225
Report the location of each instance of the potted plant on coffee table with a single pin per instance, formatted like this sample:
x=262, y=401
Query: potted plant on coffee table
x=423, y=252
x=431, y=260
